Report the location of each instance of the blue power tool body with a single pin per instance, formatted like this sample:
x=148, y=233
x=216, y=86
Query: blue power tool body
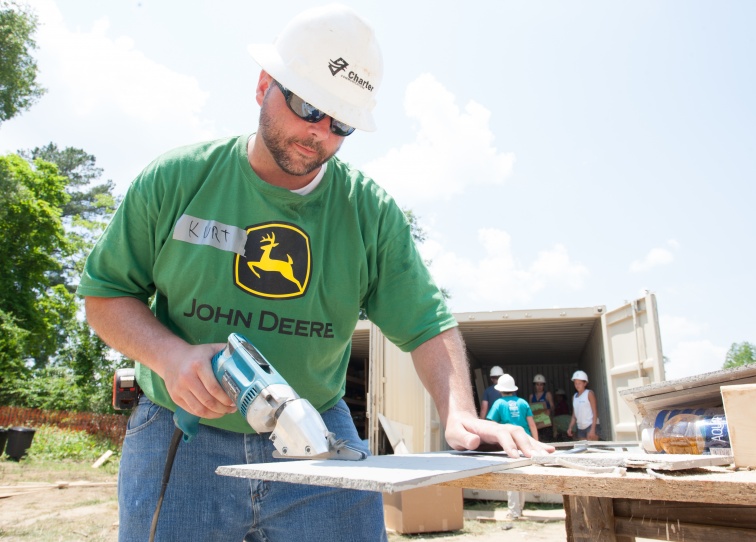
x=270, y=405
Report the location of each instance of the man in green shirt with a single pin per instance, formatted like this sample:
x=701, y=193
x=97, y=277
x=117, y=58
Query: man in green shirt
x=272, y=236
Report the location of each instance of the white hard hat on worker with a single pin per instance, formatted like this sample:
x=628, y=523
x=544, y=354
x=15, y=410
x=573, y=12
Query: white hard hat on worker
x=329, y=57
x=506, y=384
x=580, y=375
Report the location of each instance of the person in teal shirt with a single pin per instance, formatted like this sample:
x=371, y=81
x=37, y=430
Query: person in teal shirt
x=510, y=409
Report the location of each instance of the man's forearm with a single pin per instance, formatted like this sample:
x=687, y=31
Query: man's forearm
x=441, y=364
x=127, y=325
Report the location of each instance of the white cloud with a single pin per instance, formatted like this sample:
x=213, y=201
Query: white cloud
x=498, y=279
x=101, y=72
x=452, y=149
x=689, y=358
x=686, y=347
x=655, y=257
x=678, y=328
x=106, y=96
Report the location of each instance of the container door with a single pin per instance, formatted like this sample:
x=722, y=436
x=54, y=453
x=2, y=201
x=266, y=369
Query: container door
x=376, y=388
x=633, y=357
x=405, y=401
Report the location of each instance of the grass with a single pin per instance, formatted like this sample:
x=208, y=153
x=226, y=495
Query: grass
x=60, y=515
x=61, y=451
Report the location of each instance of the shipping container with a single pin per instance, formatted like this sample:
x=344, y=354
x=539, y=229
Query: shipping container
x=619, y=349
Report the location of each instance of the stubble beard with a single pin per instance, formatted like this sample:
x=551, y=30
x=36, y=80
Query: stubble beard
x=280, y=147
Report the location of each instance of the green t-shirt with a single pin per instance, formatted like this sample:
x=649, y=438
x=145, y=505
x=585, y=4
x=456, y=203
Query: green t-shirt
x=224, y=251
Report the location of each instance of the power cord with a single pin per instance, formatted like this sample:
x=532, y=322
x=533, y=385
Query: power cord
x=175, y=440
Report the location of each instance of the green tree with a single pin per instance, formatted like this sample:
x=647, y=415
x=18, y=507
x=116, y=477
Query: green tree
x=18, y=69
x=87, y=200
x=12, y=348
x=419, y=235
x=87, y=211
x=81, y=359
x=32, y=242
x=417, y=231
x=740, y=354
x=45, y=348
x=89, y=366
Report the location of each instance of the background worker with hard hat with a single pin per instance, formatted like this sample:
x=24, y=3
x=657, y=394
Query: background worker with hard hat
x=271, y=236
x=542, y=404
x=510, y=409
x=491, y=394
x=584, y=410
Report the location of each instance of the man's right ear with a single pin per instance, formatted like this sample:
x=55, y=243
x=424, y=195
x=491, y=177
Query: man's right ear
x=264, y=82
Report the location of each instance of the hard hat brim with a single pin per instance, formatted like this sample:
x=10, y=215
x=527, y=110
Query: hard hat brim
x=268, y=58
x=505, y=389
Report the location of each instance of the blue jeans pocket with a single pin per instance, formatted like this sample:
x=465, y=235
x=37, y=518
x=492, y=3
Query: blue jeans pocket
x=144, y=414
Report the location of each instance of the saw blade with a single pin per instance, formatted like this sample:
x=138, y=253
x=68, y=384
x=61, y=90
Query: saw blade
x=337, y=449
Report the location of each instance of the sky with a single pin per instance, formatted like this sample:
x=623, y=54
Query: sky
x=557, y=153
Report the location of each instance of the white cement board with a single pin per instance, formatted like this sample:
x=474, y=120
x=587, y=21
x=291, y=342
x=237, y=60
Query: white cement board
x=385, y=473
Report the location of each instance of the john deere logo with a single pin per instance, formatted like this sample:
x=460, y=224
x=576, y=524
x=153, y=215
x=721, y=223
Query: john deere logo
x=277, y=263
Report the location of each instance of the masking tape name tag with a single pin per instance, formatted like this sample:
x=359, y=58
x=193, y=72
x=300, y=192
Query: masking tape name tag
x=198, y=231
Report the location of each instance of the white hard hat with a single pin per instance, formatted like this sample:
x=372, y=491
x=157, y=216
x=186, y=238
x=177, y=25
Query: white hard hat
x=329, y=57
x=580, y=375
x=496, y=371
x=506, y=383
x=539, y=379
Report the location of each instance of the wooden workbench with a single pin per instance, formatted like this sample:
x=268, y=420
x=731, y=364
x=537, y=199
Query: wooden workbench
x=703, y=504
x=612, y=494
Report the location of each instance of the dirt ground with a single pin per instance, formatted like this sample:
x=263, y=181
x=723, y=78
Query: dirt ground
x=70, y=503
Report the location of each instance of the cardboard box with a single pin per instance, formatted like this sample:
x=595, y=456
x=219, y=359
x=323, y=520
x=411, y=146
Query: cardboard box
x=424, y=510
x=741, y=423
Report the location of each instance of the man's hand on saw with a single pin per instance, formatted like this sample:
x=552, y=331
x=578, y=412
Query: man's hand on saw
x=192, y=385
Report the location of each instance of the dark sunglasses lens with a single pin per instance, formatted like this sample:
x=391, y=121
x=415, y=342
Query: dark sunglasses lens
x=304, y=110
x=340, y=129
x=310, y=113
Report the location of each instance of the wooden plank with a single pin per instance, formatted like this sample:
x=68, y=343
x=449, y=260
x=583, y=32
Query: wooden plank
x=726, y=515
x=566, y=502
x=385, y=473
x=591, y=518
x=635, y=460
x=738, y=404
x=694, y=391
x=104, y=457
x=683, y=532
x=711, y=484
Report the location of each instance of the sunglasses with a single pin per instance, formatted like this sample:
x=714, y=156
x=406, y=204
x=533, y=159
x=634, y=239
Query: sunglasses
x=310, y=113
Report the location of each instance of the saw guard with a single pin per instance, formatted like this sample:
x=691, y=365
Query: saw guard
x=260, y=414
x=300, y=431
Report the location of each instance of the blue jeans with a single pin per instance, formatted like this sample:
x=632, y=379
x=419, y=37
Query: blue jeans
x=582, y=434
x=202, y=506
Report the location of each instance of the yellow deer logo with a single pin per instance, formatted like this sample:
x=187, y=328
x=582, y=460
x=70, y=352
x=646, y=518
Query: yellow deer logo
x=266, y=263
